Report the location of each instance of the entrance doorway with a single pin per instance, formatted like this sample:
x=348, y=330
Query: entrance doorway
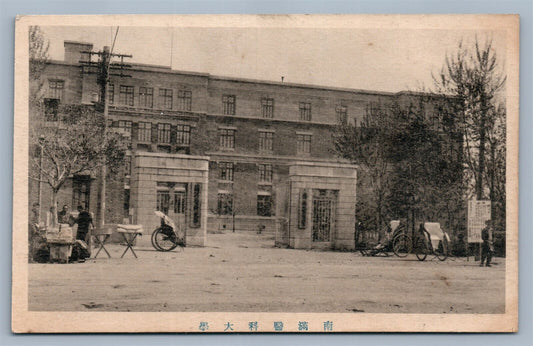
x=324, y=205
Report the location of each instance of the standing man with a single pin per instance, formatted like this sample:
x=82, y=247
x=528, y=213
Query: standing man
x=63, y=215
x=84, y=220
x=486, y=246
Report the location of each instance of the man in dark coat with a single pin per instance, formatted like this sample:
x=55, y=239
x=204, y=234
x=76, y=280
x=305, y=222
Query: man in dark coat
x=84, y=220
x=486, y=246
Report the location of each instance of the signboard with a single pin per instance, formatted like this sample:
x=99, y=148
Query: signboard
x=478, y=213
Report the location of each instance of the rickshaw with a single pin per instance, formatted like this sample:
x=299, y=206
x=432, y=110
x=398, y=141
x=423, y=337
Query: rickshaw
x=395, y=240
x=431, y=239
x=168, y=236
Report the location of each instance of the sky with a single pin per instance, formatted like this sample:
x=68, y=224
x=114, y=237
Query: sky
x=378, y=59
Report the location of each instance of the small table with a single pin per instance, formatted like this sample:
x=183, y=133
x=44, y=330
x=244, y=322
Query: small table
x=100, y=238
x=130, y=234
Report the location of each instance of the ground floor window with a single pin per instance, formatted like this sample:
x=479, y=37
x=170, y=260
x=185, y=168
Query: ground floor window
x=225, y=203
x=81, y=191
x=264, y=205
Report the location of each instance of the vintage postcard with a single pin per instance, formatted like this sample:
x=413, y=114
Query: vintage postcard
x=266, y=173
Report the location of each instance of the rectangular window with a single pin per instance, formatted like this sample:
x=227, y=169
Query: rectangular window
x=183, y=135
x=51, y=109
x=225, y=203
x=265, y=141
x=126, y=126
x=342, y=114
x=111, y=93
x=226, y=171
x=265, y=173
x=163, y=133
x=184, y=100
x=267, y=107
x=56, y=88
x=145, y=132
x=146, y=97
x=229, y=104
x=180, y=202
x=303, y=144
x=163, y=201
x=264, y=205
x=165, y=98
x=226, y=138
x=305, y=111
x=125, y=96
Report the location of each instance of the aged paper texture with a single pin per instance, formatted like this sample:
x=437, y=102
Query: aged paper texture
x=266, y=173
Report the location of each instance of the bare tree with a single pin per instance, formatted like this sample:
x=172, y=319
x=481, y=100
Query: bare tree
x=473, y=77
x=368, y=146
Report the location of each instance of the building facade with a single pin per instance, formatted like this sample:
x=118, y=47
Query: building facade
x=217, y=153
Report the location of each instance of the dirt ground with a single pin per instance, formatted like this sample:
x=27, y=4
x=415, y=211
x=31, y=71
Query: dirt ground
x=243, y=272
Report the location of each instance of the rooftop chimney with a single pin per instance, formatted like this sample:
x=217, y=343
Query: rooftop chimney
x=73, y=51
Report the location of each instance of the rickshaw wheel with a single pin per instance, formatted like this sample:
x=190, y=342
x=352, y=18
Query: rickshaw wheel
x=163, y=242
x=442, y=250
x=401, y=245
x=154, y=244
x=421, y=249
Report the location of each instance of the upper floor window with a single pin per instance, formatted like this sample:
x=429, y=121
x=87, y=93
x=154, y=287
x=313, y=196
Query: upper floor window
x=303, y=144
x=229, y=104
x=125, y=96
x=146, y=97
x=267, y=107
x=226, y=171
x=145, y=132
x=111, y=93
x=55, y=89
x=342, y=114
x=126, y=126
x=265, y=173
x=184, y=100
x=165, y=98
x=305, y=111
x=265, y=141
x=163, y=133
x=227, y=138
x=183, y=134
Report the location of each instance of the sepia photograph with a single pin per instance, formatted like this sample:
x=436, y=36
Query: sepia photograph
x=266, y=173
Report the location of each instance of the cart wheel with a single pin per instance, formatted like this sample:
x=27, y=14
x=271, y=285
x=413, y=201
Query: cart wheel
x=442, y=250
x=402, y=245
x=154, y=244
x=163, y=242
x=421, y=249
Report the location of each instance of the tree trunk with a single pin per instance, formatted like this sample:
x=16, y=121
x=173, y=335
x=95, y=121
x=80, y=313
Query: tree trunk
x=53, y=208
x=481, y=157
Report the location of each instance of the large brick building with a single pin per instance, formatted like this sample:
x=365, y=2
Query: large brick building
x=218, y=152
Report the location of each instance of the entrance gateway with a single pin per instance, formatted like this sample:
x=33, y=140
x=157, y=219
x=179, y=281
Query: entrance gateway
x=175, y=185
x=316, y=207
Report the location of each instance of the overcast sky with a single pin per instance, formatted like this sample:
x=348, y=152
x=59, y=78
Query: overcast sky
x=384, y=59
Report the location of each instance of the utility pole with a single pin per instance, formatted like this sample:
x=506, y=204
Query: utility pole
x=104, y=68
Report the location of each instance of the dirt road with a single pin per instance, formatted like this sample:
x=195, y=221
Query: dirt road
x=244, y=272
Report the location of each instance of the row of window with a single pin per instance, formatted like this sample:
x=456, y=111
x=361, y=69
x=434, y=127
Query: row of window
x=184, y=100
x=146, y=97
x=226, y=136
x=266, y=141
x=226, y=170
x=267, y=108
x=225, y=204
x=144, y=132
